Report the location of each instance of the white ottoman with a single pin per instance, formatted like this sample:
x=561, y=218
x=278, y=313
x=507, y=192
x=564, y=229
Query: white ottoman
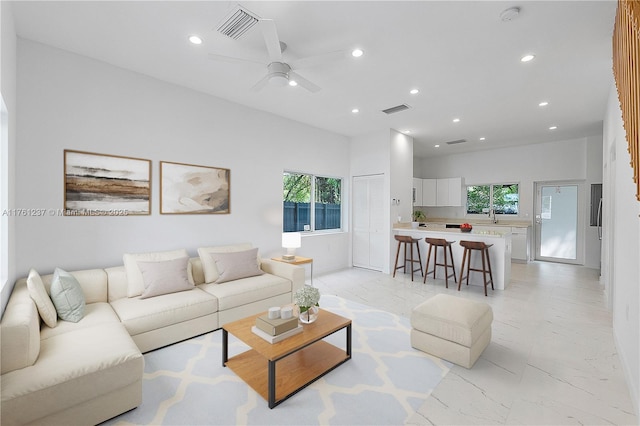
x=452, y=328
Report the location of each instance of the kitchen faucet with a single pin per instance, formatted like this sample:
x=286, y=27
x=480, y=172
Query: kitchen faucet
x=493, y=212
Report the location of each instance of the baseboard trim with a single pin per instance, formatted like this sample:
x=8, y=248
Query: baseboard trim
x=631, y=385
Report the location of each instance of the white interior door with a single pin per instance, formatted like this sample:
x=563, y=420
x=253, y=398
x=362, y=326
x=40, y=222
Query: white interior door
x=558, y=224
x=368, y=222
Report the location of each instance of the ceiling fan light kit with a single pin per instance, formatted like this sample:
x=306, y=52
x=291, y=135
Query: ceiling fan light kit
x=279, y=73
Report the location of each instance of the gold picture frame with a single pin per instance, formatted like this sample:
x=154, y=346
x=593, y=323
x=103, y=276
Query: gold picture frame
x=106, y=185
x=193, y=189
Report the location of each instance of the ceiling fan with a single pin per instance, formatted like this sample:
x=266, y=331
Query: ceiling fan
x=280, y=73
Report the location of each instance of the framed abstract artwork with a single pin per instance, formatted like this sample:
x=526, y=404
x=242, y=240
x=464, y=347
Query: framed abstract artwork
x=106, y=185
x=191, y=189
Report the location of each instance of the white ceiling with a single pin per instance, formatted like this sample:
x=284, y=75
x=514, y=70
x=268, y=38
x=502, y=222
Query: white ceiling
x=464, y=60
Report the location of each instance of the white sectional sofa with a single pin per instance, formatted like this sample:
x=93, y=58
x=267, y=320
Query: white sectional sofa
x=90, y=371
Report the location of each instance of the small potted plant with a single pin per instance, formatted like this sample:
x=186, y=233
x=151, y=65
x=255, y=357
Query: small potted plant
x=307, y=299
x=418, y=216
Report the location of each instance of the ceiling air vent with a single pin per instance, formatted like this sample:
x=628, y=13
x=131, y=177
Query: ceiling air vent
x=456, y=141
x=395, y=109
x=238, y=22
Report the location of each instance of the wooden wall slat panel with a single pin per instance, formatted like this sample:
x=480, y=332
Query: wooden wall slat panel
x=626, y=62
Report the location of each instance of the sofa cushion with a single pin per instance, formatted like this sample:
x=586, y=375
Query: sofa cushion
x=68, y=373
x=164, y=277
x=142, y=315
x=209, y=265
x=94, y=314
x=134, y=276
x=43, y=302
x=67, y=296
x=233, y=266
x=92, y=281
x=247, y=290
x=20, y=330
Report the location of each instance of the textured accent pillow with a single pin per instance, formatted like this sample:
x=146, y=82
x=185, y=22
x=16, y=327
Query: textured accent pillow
x=209, y=265
x=233, y=266
x=135, y=283
x=43, y=302
x=164, y=277
x=67, y=296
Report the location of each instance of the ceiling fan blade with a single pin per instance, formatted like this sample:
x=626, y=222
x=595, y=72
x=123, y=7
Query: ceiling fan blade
x=313, y=88
x=232, y=60
x=271, y=40
x=312, y=61
x=260, y=84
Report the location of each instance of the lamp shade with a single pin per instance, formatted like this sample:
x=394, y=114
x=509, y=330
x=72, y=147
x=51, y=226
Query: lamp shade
x=291, y=240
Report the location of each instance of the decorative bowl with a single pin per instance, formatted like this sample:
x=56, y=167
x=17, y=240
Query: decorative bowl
x=465, y=229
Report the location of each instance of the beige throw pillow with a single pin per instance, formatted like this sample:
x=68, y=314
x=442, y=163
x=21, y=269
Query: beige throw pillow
x=233, y=266
x=209, y=265
x=135, y=283
x=43, y=302
x=164, y=277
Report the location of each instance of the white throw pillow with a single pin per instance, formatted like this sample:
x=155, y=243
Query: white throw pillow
x=164, y=277
x=43, y=302
x=209, y=265
x=135, y=283
x=233, y=266
x=67, y=296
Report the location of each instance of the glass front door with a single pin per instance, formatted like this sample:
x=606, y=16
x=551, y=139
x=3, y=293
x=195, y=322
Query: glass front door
x=557, y=222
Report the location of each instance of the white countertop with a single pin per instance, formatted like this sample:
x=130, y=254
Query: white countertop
x=494, y=234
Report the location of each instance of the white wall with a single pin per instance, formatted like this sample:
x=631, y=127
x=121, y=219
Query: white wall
x=8, y=91
x=575, y=159
x=621, y=245
x=401, y=155
x=73, y=102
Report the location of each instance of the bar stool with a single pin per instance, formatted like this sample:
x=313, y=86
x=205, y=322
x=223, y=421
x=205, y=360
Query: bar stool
x=469, y=246
x=434, y=243
x=408, y=245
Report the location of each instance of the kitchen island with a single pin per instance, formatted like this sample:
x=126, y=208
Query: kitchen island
x=499, y=253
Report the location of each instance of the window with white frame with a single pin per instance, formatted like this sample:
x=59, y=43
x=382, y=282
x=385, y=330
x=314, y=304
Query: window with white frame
x=501, y=198
x=311, y=203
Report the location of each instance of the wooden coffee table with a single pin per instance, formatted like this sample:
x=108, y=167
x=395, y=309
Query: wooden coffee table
x=278, y=371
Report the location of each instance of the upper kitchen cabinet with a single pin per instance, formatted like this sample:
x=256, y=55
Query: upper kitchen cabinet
x=429, y=192
x=417, y=192
x=449, y=192
x=438, y=192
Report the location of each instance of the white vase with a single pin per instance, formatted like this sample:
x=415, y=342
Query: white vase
x=309, y=316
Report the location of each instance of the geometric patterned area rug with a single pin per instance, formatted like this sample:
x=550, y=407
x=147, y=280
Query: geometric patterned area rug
x=384, y=382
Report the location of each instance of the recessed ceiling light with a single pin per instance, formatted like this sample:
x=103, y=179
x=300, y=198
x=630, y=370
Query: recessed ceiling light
x=356, y=53
x=544, y=103
x=406, y=132
x=527, y=58
x=456, y=120
x=436, y=146
x=482, y=139
x=414, y=91
x=355, y=110
x=553, y=127
x=195, y=39
x=293, y=83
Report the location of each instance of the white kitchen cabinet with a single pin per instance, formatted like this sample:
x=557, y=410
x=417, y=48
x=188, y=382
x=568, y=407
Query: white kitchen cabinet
x=520, y=244
x=455, y=191
x=417, y=192
x=449, y=192
x=429, y=192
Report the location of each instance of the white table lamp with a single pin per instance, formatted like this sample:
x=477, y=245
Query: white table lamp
x=291, y=241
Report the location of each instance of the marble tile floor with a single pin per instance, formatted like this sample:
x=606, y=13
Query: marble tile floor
x=551, y=360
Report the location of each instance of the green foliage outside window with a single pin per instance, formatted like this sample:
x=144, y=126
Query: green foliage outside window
x=503, y=198
x=297, y=188
x=311, y=202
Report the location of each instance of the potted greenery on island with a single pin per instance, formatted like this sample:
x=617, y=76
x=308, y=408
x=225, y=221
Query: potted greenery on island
x=418, y=216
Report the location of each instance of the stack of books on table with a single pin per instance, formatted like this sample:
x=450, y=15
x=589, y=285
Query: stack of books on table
x=275, y=330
